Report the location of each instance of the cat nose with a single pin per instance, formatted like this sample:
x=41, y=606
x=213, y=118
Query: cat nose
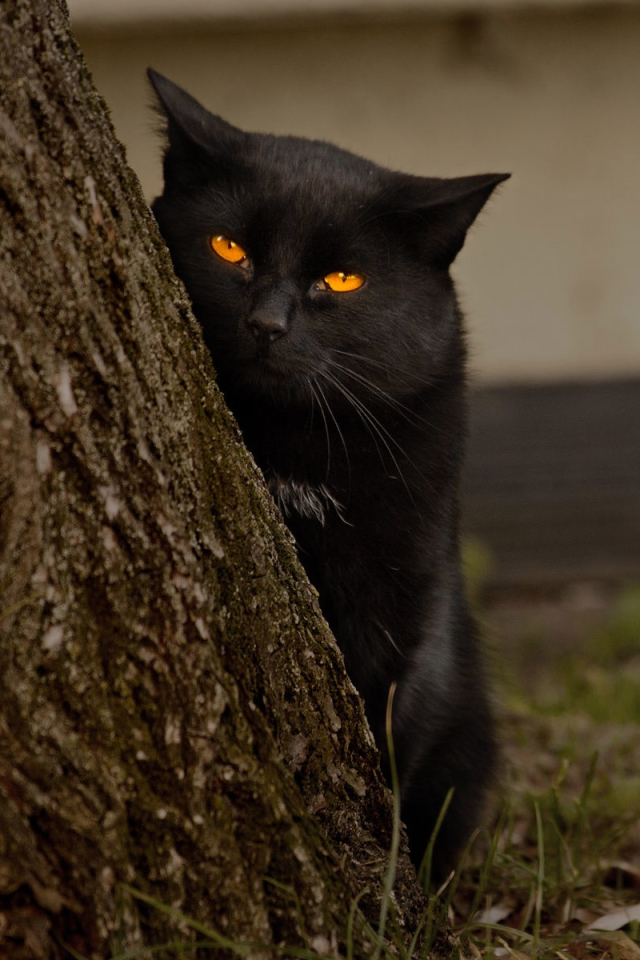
x=268, y=325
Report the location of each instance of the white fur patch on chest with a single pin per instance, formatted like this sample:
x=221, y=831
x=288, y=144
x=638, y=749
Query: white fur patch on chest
x=303, y=499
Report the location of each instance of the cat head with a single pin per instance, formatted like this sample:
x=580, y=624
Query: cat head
x=310, y=268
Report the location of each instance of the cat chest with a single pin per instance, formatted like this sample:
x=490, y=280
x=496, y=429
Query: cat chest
x=297, y=498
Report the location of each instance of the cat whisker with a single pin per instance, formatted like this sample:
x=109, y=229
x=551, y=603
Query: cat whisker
x=367, y=416
x=425, y=382
x=386, y=398
x=354, y=399
x=337, y=426
x=393, y=643
x=316, y=398
x=356, y=356
x=336, y=384
x=313, y=400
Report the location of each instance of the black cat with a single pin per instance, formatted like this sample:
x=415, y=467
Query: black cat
x=322, y=285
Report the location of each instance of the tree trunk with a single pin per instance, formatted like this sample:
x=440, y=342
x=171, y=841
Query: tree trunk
x=174, y=714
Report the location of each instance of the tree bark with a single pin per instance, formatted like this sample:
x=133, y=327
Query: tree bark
x=174, y=714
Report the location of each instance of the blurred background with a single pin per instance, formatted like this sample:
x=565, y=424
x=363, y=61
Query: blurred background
x=550, y=277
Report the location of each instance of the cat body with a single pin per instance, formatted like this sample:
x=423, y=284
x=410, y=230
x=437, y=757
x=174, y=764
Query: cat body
x=321, y=282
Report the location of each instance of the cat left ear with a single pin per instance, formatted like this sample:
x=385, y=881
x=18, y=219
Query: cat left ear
x=197, y=139
x=447, y=208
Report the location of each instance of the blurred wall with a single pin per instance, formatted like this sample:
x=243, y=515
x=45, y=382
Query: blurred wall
x=550, y=277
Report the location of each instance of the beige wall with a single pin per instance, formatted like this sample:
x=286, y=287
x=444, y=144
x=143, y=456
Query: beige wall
x=551, y=276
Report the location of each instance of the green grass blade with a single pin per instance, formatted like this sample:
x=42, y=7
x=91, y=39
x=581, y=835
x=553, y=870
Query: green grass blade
x=395, y=834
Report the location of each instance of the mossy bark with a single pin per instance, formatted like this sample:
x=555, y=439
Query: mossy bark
x=174, y=714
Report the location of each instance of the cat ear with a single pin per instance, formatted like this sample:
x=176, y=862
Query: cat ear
x=198, y=141
x=446, y=209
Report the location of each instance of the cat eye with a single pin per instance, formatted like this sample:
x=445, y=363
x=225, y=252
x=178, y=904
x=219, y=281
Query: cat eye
x=341, y=282
x=227, y=249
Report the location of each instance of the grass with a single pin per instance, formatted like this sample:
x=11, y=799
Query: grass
x=565, y=846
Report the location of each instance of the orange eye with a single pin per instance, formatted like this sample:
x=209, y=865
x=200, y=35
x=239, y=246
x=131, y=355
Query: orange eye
x=343, y=282
x=228, y=250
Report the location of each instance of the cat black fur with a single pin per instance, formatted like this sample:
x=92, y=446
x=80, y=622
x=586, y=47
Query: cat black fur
x=354, y=406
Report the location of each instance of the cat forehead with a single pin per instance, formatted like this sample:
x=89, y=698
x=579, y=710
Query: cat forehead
x=304, y=153
x=298, y=166
x=291, y=183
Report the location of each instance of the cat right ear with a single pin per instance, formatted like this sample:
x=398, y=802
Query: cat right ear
x=444, y=209
x=199, y=143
